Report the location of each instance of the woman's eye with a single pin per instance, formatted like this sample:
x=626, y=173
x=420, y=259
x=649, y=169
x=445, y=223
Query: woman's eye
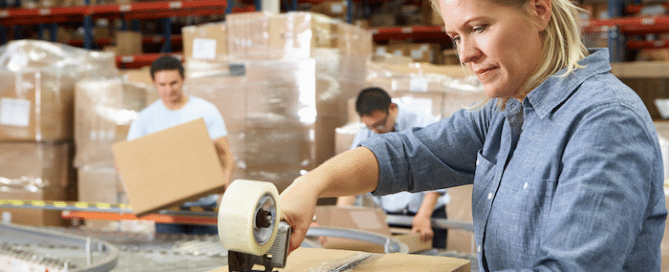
x=478, y=28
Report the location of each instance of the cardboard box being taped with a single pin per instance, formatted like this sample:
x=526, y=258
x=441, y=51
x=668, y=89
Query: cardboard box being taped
x=365, y=219
x=169, y=167
x=313, y=259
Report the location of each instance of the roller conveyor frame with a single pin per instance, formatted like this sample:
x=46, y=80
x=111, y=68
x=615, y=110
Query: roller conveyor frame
x=106, y=263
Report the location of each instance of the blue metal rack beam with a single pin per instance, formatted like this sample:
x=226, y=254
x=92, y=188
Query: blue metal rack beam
x=166, y=24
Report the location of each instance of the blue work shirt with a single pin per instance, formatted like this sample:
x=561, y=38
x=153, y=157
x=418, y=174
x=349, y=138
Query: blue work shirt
x=399, y=202
x=571, y=179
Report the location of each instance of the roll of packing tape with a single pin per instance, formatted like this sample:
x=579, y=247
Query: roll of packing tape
x=248, y=216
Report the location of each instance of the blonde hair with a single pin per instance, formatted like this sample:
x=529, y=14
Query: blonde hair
x=562, y=45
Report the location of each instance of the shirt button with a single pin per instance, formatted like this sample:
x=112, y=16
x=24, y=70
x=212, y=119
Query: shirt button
x=525, y=185
x=478, y=249
x=489, y=195
x=477, y=162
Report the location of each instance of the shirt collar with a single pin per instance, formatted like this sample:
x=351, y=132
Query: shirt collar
x=556, y=89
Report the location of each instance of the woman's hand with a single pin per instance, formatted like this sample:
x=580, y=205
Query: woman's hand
x=297, y=205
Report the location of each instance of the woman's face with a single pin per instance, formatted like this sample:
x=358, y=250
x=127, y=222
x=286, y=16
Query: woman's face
x=497, y=43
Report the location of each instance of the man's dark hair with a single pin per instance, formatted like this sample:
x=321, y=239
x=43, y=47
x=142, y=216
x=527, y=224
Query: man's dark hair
x=166, y=62
x=372, y=99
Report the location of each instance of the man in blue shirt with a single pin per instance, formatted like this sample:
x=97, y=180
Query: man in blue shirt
x=174, y=108
x=380, y=115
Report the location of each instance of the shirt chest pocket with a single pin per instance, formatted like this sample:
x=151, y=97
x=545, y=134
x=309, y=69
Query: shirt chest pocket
x=517, y=215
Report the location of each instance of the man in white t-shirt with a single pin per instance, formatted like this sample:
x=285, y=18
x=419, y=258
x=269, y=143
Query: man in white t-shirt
x=175, y=108
x=380, y=115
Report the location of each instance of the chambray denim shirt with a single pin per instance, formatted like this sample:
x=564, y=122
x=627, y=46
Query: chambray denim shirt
x=406, y=119
x=571, y=179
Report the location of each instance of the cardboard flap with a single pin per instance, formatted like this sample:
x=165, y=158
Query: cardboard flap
x=169, y=167
x=352, y=217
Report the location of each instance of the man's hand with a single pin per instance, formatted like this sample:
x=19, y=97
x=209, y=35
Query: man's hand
x=225, y=156
x=422, y=225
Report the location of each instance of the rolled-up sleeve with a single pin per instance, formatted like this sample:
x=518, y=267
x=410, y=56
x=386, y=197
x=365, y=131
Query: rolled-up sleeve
x=438, y=156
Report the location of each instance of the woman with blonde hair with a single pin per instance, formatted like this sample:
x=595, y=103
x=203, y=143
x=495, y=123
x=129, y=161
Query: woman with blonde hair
x=564, y=158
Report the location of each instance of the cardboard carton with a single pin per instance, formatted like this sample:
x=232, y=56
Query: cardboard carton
x=358, y=218
x=100, y=184
x=334, y=9
x=35, y=171
x=460, y=209
x=345, y=135
x=169, y=167
x=206, y=42
x=141, y=76
x=305, y=259
x=104, y=110
x=364, y=219
x=128, y=43
x=412, y=240
x=36, y=106
x=35, y=217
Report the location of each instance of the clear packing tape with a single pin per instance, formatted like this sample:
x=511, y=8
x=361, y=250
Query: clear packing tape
x=248, y=217
x=22, y=184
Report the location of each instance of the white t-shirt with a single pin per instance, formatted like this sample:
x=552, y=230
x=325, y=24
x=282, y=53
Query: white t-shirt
x=157, y=117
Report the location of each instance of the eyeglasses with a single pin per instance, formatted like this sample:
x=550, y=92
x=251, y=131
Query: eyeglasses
x=380, y=125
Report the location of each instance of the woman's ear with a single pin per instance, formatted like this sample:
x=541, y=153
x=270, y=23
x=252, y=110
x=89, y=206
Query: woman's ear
x=541, y=11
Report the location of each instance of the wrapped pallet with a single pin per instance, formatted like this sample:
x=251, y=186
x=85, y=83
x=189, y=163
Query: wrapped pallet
x=283, y=89
x=36, y=171
x=37, y=80
x=104, y=109
x=444, y=90
x=37, y=87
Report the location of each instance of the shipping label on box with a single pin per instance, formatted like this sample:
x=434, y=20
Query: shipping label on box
x=36, y=106
x=205, y=42
x=169, y=167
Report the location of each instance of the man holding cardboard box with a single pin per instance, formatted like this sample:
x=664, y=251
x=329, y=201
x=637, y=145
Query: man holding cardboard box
x=380, y=116
x=173, y=109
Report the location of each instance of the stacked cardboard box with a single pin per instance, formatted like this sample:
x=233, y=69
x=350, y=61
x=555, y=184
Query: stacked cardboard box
x=36, y=122
x=442, y=89
x=282, y=87
x=416, y=52
x=36, y=171
x=104, y=110
x=650, y=80
x=332, y=9
x=437, y=90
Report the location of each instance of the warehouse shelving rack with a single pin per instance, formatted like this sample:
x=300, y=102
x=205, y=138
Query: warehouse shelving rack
x=434, y=34
x=48, y=18
x=622, y=30
x=625, y=32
